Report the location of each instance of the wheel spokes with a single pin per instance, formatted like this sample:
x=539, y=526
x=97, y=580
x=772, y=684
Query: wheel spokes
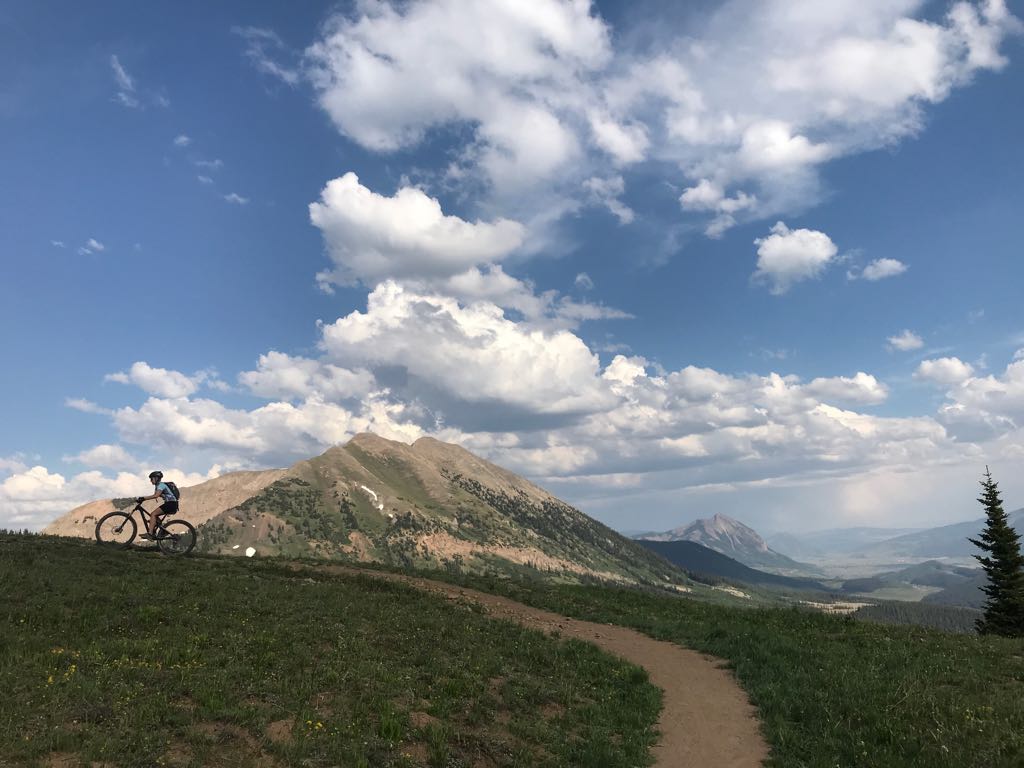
x=116, y=529
x=179, y=538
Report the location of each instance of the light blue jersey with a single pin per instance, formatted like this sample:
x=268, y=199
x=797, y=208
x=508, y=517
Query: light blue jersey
x=166, y=492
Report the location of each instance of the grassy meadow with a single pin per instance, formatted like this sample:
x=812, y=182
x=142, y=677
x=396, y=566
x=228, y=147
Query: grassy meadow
x=130, y=658
x=831, y=690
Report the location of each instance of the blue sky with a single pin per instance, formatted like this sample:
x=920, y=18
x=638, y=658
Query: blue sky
x=752, y=258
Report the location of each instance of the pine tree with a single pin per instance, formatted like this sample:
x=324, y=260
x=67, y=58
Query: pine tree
x=1003, y=565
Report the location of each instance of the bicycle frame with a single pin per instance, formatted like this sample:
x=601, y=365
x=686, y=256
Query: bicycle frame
x=147, y=515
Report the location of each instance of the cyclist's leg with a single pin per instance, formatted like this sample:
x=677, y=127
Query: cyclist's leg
x=147, y=522
x=165, y=509
x=156, y=517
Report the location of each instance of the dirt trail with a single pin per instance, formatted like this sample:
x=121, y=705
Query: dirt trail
x=706, y=720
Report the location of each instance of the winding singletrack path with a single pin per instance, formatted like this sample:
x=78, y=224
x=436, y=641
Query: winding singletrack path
x=706, y=720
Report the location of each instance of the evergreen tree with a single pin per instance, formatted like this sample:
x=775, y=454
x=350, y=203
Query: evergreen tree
x=1003, y=565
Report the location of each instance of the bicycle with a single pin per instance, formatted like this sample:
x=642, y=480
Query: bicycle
x=118, y=529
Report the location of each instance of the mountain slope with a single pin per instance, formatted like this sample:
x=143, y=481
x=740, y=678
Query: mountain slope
x=426, y=505
x=933, y=573
x=736, y=540
x=967, y=593
x=698, y=560
x=199, y=503
x=833, y=541
x=945, y=541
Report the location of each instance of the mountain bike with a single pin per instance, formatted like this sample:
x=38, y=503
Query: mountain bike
x=118, y=529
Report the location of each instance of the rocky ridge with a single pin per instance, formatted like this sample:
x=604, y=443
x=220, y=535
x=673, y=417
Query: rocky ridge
x=426, y=505
x=730, y=537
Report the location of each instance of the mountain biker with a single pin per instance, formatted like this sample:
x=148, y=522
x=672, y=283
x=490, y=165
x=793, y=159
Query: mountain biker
x=169, y=506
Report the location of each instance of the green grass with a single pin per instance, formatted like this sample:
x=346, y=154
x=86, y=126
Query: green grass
x=907, y=592
x=833, y=691
x=225, y=647
x=130, y=658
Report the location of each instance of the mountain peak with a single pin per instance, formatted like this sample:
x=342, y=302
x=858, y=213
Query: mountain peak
x=732, y=538
x=373, y=441
x=732, y=533
x=430, y=504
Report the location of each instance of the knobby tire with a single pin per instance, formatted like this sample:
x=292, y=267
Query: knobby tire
x=178, y=537
x=116, y=529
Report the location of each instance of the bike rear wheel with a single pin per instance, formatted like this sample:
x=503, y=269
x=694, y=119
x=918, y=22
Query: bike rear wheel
x=116, y=529
x=177, y=537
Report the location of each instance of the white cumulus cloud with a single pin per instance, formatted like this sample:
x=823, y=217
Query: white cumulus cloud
x=371, y=237
x=282, y=377
x=105, y=455
x=390, y=72
x=789, y=256
x=467, y=354
x=986, y=407
x=156, y=381
x=879, y=269
x=946, y=371
x=752, y=95
x=862, y=389
x=905, y=341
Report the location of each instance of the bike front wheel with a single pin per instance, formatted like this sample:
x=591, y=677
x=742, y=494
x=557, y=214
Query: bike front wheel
x=116, y=529
x=177, y=537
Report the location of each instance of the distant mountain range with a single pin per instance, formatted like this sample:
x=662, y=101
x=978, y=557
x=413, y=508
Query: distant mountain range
x=959, y=586
x=945, y=541
x=425, y=505
x=892, y=544
x=705, y=564
x=931, y=573
x=730, y=537
x=835, y=541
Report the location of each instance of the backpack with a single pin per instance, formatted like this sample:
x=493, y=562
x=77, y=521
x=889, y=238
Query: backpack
x=173, y=489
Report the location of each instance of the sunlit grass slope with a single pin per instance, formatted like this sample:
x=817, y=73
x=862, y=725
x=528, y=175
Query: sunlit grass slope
x=129, y=658
x=833, y=691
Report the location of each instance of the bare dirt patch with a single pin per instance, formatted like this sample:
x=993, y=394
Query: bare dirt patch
x=280, y=731
x=415, y=750
x=360, y=546
x=62, y=760
x=551, y=710
x=178, y=754
x=421, y=720
x=237, y=740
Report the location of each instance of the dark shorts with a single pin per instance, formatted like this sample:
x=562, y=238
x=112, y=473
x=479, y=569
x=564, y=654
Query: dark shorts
x=167, y=508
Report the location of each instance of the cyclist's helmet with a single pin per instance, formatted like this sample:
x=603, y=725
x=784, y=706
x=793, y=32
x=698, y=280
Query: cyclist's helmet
x=158, y=475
